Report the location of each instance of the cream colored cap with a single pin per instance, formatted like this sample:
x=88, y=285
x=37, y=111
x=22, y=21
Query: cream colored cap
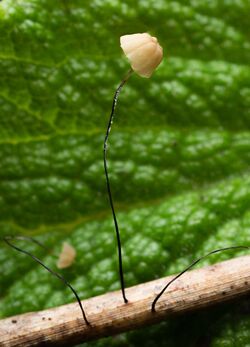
x=143, y=52
x=67, y=256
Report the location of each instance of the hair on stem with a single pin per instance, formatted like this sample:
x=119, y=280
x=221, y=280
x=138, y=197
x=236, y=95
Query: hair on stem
x=189, y=267
x=105, y=147
x=8, y=240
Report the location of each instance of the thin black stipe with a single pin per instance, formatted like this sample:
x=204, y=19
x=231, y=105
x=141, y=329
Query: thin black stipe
x=25, y=238
x=7, y=239
x=189, y=267
x=105, y=147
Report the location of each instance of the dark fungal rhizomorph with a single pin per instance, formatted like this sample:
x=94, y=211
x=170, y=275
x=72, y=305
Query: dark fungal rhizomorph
x=9, y=239
x=231, y=248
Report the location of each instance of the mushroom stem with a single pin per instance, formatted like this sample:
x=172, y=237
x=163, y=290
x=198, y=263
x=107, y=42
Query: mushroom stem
x=105, y=147
x=8, y=239
x=189, y=267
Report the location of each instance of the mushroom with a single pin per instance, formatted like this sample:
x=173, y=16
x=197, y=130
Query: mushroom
x=143, y=52
x=67, y=256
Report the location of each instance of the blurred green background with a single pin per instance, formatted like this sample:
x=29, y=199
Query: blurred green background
x=178, y=156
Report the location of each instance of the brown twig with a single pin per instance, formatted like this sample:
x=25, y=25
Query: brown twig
x=109, y=315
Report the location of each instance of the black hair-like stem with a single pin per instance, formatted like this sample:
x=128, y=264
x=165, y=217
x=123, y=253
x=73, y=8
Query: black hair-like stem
x=8, y=239
x=189, y=267
x=105, y=147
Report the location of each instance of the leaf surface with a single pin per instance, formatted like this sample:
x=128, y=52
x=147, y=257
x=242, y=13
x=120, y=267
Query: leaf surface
x=178, y=153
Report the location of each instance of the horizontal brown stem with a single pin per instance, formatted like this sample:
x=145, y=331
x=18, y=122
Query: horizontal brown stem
x=108, y=315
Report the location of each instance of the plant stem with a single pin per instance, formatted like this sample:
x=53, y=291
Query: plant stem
x=63, y=325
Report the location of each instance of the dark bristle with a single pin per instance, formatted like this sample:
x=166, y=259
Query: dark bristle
x=189, y=267
x=105, y=145
x=8, y=239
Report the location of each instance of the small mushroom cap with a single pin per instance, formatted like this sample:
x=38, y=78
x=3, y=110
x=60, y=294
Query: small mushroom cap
x=66, y=257
x=143, y=51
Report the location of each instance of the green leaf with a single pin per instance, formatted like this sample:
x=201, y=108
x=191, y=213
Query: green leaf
x=178, y=154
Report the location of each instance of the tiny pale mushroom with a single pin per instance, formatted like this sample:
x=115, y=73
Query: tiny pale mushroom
x=67, y=256
x=143, y=52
